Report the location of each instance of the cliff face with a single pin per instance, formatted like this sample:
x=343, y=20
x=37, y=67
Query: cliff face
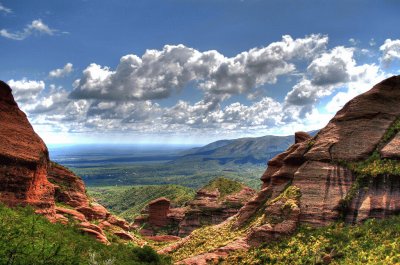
x=349, y=171
x=24, y=159
x=28, y=177
x=209, y=207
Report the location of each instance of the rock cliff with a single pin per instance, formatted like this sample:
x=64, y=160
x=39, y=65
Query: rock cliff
x=349, y=171
x=212, y=204
x=28, y=177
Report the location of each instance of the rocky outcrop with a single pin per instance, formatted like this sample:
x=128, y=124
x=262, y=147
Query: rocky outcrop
x=24, y=159
x=158, y=212
x=348, y=171
x=69, y=188
x=392, y=149
x=208, y=207
x=28, y=177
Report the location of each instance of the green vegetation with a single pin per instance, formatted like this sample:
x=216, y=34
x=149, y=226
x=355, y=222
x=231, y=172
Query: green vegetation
x=192, y=174
x=225, y=186
x=28, y=238
x=374, y=242
x=371, y=167
x=128, y=201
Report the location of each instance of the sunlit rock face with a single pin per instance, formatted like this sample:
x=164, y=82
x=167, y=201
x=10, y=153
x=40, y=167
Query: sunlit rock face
x=349, y=171
x=28, y=177
x=24, y=159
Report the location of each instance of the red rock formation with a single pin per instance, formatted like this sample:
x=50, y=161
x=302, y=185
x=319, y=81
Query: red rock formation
x=28, y=177
x=69, y=188
x=392, y=149
x=310, y=184
x=207, y=208
x=23, y=159
x=158, y=212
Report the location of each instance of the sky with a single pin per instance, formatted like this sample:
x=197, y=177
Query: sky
x=191, y=72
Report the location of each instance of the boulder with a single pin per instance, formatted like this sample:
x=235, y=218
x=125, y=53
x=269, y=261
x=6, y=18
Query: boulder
x=158, y=212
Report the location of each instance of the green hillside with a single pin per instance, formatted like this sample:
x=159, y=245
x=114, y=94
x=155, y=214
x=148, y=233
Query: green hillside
x=28, y=238
x=128, y=201
x=374, y=242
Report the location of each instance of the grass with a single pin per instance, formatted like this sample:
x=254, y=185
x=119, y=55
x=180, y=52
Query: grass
x=374, y=242
x=224, y=186
x=128, y=201
x=28, y=238
x=192, y=174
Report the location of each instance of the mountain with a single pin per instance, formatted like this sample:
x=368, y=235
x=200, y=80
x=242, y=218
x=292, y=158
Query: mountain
x=255, y=150
x=348, y=172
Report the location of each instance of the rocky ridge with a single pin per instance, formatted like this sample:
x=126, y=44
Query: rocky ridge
x=28, y=177
x=209, y=207
x=349, y=171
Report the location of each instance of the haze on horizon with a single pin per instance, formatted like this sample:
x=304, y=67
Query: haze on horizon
x=191, y=72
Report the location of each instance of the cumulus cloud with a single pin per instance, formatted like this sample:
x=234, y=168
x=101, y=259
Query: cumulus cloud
x=61, y=72
x=160, y=73
x=24, y=90
x=390, y=51
x=330, y=71
x=5, y=9
x=37, y=27
x=125, y=100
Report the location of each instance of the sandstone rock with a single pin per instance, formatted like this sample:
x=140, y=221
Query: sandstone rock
x=72, y=213
x=26, y=175
x=94, y=212
x=124, y=235
x=158, y=211
x=113, y=220
x=380, y=199
x=310, y=170
x=23, y=159
x=322, y=186
x=356, y=129
x=392, y=149
x=300, y=137
x=69, y=188
x=100, y=237
x=163, y=238
x=208, y=209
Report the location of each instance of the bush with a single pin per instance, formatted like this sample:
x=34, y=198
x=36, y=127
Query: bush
x=28, y=238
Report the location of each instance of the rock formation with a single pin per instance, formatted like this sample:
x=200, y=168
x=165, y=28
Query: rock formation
x=24, y=159
x=349, y=171
x=28, y=177
x=207, y=208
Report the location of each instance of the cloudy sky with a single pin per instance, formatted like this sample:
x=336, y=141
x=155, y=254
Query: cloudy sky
x=191, y=72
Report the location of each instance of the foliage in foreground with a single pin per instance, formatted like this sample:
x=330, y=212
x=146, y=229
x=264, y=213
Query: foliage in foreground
x=374, y=242
x=27, y=238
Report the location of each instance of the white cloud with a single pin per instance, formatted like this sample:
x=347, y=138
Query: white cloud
x=5, y=9
x=124, y=100
x=334, y=69
x=390, y=51
x=24, y=90
x=61, y=72
x=161, y=73
x=36, y=27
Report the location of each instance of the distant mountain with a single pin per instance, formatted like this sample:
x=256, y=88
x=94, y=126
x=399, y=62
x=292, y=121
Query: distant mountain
x=255, y=150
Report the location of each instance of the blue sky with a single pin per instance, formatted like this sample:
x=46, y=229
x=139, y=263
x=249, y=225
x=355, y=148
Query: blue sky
x=191, y=71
